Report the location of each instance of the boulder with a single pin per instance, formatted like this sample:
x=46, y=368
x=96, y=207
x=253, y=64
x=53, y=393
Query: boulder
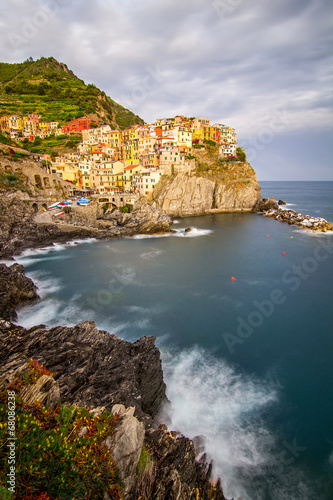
x=125, y=445
x=264, y=204
x=15, y=288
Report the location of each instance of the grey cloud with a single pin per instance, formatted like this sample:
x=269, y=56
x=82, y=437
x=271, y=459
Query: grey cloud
x=235, y=65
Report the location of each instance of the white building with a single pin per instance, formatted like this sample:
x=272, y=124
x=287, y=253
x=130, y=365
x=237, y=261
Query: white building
x=146, y=180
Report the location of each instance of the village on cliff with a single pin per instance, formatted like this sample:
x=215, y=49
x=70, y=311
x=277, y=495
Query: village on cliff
x=130, y=161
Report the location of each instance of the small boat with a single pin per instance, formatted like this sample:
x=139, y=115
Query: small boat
x=58, y=214
x=54, y=205
x=83, y=201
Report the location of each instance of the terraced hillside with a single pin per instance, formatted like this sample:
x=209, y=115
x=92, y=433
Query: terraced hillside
x=49, y=88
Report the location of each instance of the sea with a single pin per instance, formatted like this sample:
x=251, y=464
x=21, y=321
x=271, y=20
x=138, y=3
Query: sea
x=241, y=308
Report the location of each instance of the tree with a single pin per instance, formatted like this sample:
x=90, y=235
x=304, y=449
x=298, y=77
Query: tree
x=241, y=154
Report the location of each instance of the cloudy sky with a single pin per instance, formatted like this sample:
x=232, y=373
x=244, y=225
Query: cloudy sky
x=261, y=66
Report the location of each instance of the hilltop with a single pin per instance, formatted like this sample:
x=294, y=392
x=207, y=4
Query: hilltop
x=49, y=88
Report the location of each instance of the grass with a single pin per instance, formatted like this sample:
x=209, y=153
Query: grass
x=10, y=181
x=53, y=460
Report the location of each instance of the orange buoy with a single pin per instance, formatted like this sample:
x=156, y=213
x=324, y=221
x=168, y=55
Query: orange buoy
x=283, y=253
x=233, y=278
x=268, y=236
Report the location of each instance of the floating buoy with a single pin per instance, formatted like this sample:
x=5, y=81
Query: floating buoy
x=240, y=218
x=268, y=236
x=291, y=236
x=283, y=253
x=233, y=278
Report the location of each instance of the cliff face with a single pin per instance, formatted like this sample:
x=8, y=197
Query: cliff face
x=97, y=370
x=216, y=184
x=93, y=367
x=185, y=195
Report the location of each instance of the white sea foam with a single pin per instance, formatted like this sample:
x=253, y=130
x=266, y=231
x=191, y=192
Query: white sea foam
x=193, y=233
x=151, y=254
x=53, y=312
x=46, y=285
x=179, y=233
x=210, y=398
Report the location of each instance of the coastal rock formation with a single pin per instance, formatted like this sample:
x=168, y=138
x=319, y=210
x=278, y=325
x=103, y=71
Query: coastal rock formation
x=304, y=221
x=92, y=367
x=111, y=222
x=186, y=195
x=125, y=445
x=19, y=231
x=15, y=288
x=178, y=473
x=264, y=204
x=95, y=369
x=201, y=193
x=45, y=390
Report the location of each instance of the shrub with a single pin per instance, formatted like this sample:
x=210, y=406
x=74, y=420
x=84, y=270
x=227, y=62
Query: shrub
x=209, y=142
x=241, y=154
x=55, y=460
x=12, y=178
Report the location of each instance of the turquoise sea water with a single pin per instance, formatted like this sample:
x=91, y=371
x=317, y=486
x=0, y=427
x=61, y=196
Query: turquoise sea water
x=248, y=363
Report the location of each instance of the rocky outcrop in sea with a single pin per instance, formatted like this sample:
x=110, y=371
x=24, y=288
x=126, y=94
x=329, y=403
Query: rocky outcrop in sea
x=303, y=221
x=111, y=222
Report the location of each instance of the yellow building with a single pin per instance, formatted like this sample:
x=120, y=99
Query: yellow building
x=197, y=134
x=114, y=139
x=128, y=176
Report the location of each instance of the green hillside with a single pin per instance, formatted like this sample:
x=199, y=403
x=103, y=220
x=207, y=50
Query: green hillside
x=50, y=89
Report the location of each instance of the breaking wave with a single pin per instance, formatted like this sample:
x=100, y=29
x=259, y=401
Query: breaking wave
x=210, y=398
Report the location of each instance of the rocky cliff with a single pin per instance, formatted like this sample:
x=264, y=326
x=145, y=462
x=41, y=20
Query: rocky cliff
x=94, y=369
x=216, y=184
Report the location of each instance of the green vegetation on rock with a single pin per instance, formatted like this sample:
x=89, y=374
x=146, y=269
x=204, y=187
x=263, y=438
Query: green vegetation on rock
x=60, y=451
